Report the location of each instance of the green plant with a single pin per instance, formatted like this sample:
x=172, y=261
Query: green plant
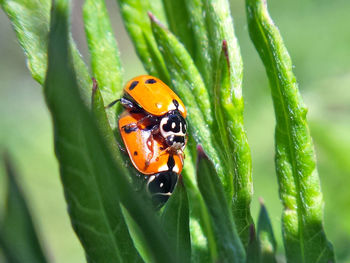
x=199, y=57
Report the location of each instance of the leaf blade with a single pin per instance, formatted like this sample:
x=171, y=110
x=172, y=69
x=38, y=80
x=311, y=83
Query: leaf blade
x=31, y=19
x=137, y=24
x=300, y=192
x=229, y=246
x=19, y=239
x=88, y=203
x=266, y=238
x=175, y=220
x=179, y=23
x=232, y=139
x=105, y=58
x=94, y=182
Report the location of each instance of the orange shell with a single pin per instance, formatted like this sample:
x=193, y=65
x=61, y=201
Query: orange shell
x=153, y=95
x=139, y=145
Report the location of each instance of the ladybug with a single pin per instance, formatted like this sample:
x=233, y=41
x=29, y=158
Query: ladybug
x=162, y=109
x=149, y=156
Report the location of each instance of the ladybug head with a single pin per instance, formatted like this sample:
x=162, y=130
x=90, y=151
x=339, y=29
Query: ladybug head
x=173, y=128
x=161, y=186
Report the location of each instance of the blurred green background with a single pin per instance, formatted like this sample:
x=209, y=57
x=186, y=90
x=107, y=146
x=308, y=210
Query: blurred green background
x=317, y=35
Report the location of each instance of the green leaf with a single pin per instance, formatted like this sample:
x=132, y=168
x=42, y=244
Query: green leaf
x=137, y=24
x=202, y=236
x=201, y=56
x=94, y=180
x=266, y=238
x=105, y=60
x=212, y=23
x=182, y=71
x=229, y=246
x=299, y=186
x=175, y=219
x=220, y=27
x=179, y=23
x=188, y=84
x=252, y=249
x=30, y=19
x=232, y=139
x=85, y=165
x=18, y=238
x=98, y=108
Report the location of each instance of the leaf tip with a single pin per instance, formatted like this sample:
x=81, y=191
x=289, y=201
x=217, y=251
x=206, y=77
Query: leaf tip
x=154, y=19
x=252, y=233
x=151, y=16
x=225, y=51
x=201, y=153
x=261, y=201
x=94, y=90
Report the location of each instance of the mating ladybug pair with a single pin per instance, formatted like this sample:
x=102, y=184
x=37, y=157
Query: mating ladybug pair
x=153, y=129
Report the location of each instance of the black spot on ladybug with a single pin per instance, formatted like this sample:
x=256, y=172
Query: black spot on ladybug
x=176, y=103
x=135, y=153
x=171, y=163
x=150, y=81
x=129, y=128
x=172, y=124
x=133, y=85
x=179, y=139
x=161, y=148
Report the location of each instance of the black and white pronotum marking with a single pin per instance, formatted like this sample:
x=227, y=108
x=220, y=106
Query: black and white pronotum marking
x=173, y=128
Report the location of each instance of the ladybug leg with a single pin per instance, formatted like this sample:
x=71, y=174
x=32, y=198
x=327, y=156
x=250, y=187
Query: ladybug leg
x=121, y=148
x=130, y=127
x=155, y=130
x=138, y=125
x=149, y=119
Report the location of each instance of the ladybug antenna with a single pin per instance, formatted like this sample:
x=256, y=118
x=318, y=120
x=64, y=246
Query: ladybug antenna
x=111, y=104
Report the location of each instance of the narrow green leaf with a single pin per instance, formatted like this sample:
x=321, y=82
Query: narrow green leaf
x=94, y=180
x=87, y=176
x=202, y=237
x=179, y=23
x=141, y=243
x=105, y=60
x=220, y=27
x=18, y=238
x=211, y=23
x=98, y=108
x=232, y=140
x=201, y=55
x=299, y=186
x=267, y=241
x=229, y=246
x=30, y=20
x=137, y=24
x=252, y=250
x=175, y=219
x=182, y=71
x=188, y=84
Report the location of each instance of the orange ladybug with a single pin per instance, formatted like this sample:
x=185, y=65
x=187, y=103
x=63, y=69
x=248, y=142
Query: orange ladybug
x=149, y=155
x=162, y=109
x=153, y=96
